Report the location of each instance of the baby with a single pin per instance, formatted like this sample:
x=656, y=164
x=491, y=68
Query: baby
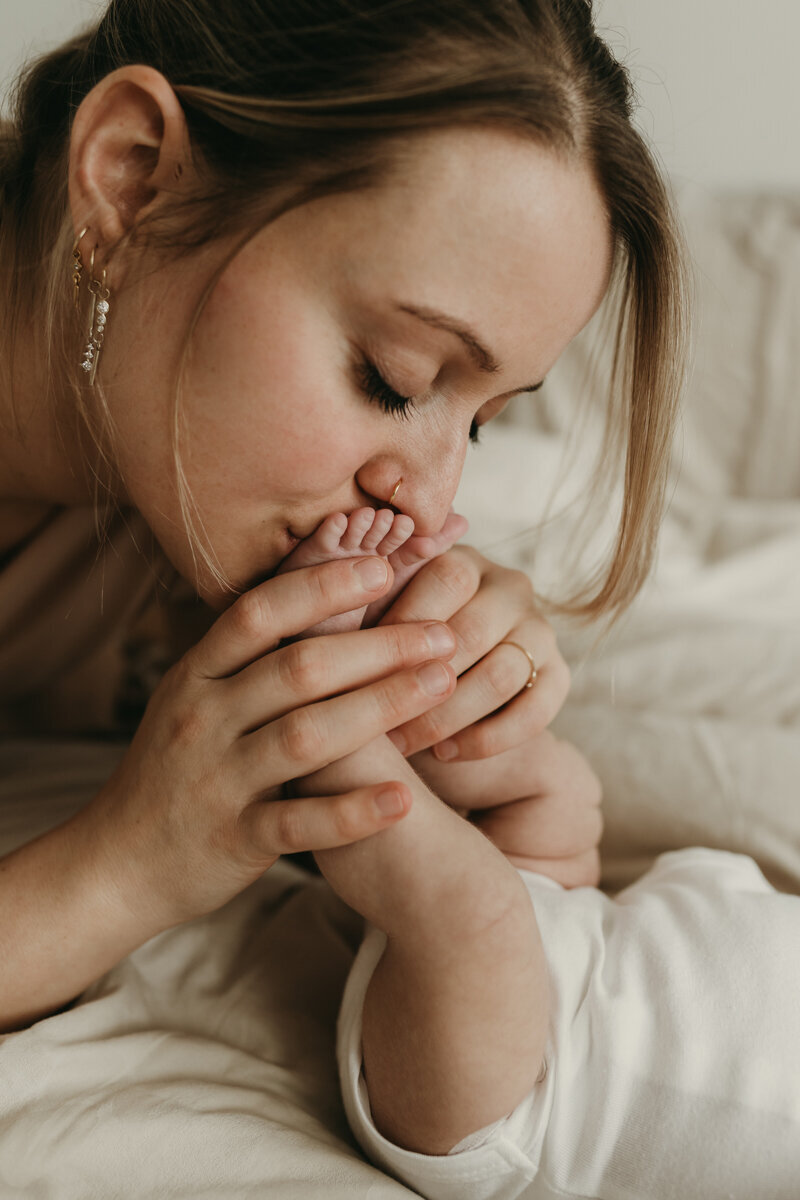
x=501, y=1037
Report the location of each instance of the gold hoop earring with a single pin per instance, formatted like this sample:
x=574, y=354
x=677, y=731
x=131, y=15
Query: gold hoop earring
x=77, y=266
x=98, y=319
x=396, y=490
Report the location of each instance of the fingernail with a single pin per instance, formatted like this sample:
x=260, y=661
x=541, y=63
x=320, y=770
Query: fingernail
x=397, y=739
x=446, y=751
x=372, y=572
x=389, y=802
x=440, y=639
x=434, y=678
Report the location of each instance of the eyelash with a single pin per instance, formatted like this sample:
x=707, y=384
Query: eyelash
x=379, y=392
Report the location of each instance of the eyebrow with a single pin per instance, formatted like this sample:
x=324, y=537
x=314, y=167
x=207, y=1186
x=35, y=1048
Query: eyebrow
x=484, y=359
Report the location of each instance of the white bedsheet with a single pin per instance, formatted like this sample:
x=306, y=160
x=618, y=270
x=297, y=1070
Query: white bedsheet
x=203, y=1065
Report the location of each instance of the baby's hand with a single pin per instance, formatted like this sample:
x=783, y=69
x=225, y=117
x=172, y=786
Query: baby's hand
x=539, y=803
x=437, y=862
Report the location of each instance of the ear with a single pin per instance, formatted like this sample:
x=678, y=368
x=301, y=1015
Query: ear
x=129, y=145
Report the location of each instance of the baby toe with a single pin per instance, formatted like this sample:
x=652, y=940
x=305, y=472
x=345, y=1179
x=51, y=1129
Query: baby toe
x=401, y=530
x=328, y=536
x=384, y=519
x=358, y=524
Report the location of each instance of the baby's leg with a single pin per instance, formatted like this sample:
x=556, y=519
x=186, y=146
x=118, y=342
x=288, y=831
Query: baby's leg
x=369, y=531
x=456, y=1013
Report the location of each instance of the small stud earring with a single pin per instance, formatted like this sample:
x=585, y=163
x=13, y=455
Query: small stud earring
x=77, y=266
x=98, y=319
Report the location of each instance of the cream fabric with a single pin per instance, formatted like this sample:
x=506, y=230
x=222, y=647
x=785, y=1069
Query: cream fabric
x=203, y=1066
x=673, y=1068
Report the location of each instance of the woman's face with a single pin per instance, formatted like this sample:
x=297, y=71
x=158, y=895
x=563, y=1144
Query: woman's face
x=456, y=283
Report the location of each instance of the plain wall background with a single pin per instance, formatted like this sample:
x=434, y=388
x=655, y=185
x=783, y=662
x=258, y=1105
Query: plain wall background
x=718, y=79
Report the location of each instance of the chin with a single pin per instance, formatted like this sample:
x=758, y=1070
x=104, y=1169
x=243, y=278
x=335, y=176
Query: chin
x=243, y=570
x=219, y=599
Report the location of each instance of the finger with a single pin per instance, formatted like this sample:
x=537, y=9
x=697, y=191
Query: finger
x=440, y=589
x=491, y=683
x=545, y=827
x=306, y=739
x=525, y=716
x=542, y=766
x=497, y=686
x=322, y=823
x=317, y=668
x=581, y=871
x=523, y=771
x=500, y=611
x=283, y=607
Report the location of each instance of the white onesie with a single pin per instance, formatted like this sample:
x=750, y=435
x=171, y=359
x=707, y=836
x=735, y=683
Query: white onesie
x=673, y=1063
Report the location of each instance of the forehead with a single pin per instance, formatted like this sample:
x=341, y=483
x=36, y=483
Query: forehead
x=487, y=226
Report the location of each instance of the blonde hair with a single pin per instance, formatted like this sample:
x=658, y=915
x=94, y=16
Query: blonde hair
x=303, y=99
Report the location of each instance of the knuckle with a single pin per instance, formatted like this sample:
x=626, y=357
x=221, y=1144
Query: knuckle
x=519, y=581
x=301, y=737
x=347, y=821
x=456, y=572
x=301, y=669
x=394, y=702
x=497, y=677
x=181, y=677
x=322, y=585
x=401, y=642
x=251, y=615
x=431, y=727
x=484, y=741
x=471, y=635
x=189, y=725
x=289, y=831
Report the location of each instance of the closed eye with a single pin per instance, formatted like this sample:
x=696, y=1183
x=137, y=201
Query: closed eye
x=379, y=392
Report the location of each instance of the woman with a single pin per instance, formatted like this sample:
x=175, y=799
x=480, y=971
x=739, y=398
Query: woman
x=261, y=263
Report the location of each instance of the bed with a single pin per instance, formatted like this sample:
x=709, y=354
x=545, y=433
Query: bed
x=203, y=1065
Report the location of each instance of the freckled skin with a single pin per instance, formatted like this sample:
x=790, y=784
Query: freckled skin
x=276, y=431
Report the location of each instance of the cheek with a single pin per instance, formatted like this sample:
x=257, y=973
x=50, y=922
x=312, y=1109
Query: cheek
x=273, y=412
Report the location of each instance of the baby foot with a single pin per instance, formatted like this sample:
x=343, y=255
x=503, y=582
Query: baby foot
x=411, y=557
x=369, y=531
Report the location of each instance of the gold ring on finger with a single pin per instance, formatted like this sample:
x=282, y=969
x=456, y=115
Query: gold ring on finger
x=534, y=673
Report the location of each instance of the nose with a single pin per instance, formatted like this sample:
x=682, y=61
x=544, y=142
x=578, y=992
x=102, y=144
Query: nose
x=430, y=479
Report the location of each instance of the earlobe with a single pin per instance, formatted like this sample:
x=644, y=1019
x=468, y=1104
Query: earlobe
x=129, y=145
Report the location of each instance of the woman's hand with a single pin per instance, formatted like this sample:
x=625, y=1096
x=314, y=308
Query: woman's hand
x=486, y=749
x=484, y=605
x=195, y=811
x=538, y=802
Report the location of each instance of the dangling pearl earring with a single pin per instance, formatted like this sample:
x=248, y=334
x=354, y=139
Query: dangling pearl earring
x=98, y=319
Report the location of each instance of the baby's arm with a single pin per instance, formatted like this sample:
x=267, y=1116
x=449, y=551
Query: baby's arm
x=456, y=1013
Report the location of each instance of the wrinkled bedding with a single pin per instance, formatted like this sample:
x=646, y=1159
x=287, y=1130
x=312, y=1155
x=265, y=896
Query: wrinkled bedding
x=203, y=1065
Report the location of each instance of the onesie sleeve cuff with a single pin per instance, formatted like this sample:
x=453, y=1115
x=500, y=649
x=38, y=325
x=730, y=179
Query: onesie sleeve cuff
x=497, y=1163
